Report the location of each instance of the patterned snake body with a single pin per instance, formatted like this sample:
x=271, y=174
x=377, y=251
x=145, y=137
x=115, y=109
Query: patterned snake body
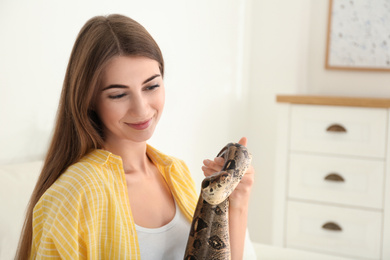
x=209, y=234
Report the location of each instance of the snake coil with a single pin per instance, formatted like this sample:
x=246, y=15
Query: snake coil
x=209, y=234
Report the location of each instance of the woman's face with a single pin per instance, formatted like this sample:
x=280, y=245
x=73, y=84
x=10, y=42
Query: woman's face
x=131, y=98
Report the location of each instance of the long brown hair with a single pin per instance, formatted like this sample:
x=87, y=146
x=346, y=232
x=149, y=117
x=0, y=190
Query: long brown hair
x=78, y=129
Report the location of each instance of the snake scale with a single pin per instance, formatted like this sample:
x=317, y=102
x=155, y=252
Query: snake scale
x=209, y=234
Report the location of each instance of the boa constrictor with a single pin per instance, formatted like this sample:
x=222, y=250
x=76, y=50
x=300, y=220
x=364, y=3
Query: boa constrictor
x=209, y=234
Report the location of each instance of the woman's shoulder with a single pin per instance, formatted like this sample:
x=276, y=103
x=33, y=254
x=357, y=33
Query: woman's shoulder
x=81, y=178
x=86, y=171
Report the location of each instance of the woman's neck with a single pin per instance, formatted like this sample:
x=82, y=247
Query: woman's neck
x=133, y=154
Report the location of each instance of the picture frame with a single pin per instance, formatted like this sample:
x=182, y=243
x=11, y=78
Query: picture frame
x=358, y=35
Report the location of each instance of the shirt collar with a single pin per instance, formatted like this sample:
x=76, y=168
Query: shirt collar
x=158, y=157
x=101, y=157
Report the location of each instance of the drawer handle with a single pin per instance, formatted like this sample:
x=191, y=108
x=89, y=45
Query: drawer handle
x=334, y=177
x=336, y=128
x=332, y=226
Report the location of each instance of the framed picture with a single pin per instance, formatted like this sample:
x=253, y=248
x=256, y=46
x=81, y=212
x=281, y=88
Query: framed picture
x=358, y=35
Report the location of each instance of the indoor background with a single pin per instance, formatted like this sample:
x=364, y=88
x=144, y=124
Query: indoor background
x=225, y=62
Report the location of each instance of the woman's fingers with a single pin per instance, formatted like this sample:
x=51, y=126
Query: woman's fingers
x=243, y=141
x=212, y=166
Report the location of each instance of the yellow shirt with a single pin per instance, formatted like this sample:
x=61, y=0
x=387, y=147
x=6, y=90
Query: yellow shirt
x=86, y=213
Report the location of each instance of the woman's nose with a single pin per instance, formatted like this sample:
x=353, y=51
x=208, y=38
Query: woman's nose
x=138, y=106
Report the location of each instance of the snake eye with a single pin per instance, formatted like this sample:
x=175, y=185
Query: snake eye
x=205, y=184
x=231, y=165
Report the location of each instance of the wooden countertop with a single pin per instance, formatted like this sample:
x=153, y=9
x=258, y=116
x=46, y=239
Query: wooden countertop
x=334, y=101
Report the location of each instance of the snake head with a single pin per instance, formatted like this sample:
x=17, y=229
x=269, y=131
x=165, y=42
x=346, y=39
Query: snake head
x=215, y=188
x=218, y=187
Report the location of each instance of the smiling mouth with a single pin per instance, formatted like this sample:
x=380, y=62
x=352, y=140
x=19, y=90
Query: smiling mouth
x=140, y=125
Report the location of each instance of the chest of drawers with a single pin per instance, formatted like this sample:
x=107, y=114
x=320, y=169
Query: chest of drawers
x=332, y=180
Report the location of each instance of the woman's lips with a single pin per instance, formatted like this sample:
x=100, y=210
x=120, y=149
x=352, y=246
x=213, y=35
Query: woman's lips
x=141, y=125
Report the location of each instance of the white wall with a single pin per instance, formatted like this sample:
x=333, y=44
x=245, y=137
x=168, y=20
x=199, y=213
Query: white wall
x=279, y=49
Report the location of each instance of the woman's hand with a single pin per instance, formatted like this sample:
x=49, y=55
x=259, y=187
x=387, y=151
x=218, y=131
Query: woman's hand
x=240, y=196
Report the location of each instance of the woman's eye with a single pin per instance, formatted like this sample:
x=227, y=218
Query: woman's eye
x=117, y=96
x=152, y=87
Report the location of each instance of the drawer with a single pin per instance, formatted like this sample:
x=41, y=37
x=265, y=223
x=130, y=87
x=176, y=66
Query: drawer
x=339, y=130
x=334, y=230
x=340, y=180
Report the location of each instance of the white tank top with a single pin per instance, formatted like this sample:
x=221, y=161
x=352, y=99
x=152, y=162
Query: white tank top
x=166, y=242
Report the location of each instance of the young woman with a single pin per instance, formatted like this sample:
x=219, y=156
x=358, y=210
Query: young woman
x=104, y=193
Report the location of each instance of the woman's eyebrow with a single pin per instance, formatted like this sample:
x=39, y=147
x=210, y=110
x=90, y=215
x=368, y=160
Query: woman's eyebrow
x=124, y=86
x=151, y=78
x=114, y=86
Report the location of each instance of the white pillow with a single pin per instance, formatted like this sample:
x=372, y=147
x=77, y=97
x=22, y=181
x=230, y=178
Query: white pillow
x=17, y=182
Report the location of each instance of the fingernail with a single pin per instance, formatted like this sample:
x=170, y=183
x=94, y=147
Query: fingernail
x=206, y=162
